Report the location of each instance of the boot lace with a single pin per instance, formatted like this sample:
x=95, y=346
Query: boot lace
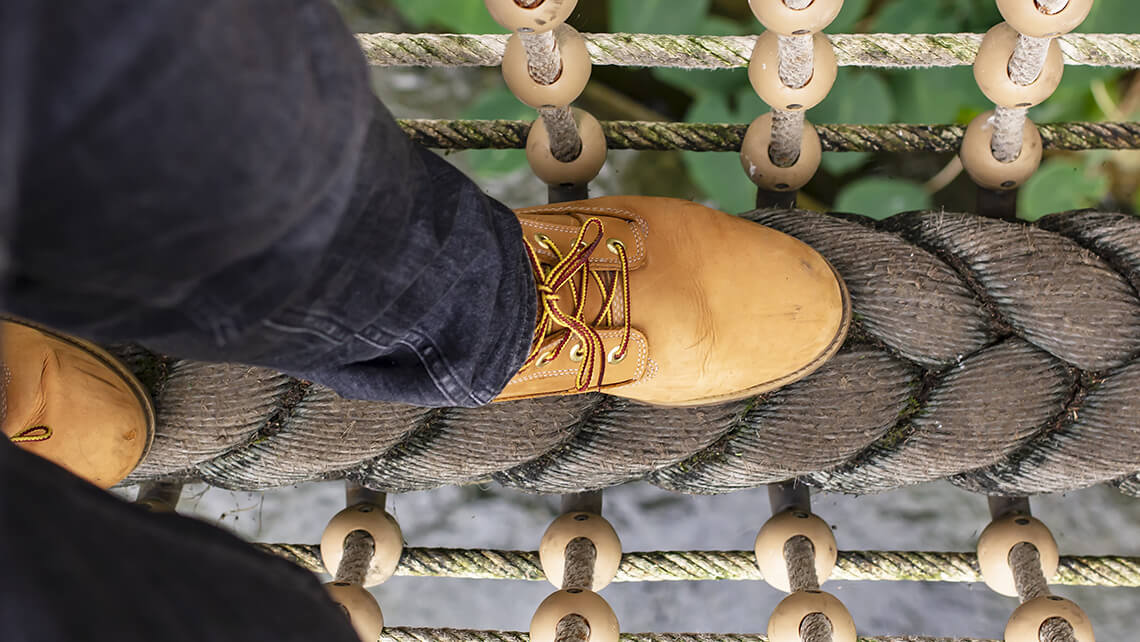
x=35, y=433
x=573, y=269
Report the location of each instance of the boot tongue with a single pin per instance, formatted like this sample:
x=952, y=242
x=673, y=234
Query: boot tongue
x=548, y=226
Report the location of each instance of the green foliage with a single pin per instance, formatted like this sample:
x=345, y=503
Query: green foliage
x=498, y=104
x=1059, y=185
x=657, y=16
x=460, y=16
x=852, y=12
x=719, y=174
x=934, y=95
x=879, y=198
x=859, y=96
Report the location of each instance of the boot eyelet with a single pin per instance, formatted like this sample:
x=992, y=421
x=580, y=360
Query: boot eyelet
x=543, y=240
x=544, y=360
x=613, y=356
x=614, y=244
x=577, y=354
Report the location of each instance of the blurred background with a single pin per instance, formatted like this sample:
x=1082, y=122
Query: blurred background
x=928, y=517
x=875, y=185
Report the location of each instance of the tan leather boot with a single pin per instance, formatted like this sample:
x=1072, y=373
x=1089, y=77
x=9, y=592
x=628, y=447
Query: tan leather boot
x=672, y=303
x=71, y=403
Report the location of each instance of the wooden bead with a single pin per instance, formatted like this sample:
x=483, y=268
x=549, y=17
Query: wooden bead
x=987, y=171
x=778, y=17
x=385, y=532
x=991, y=71
x=565, y=89
x=784, y=526
x=758, y=163
x=999, y=538
x=579, y=171
x=360, y=607
x=545, y=16
x=784, y=625
x=1027, y=17
x=1026, y=621
x=597, y=613
x=764, y=72
x=594, y=527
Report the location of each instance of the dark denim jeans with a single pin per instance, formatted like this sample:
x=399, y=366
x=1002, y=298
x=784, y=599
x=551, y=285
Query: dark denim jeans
x=214, y=179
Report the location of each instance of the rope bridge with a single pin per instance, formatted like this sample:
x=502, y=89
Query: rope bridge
x=953, y=314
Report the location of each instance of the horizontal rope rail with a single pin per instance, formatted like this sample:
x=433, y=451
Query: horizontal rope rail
x=665, y=566
x=720, y=137
x=410, y=634
x=884, y=50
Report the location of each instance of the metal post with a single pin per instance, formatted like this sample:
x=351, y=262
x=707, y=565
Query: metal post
x=583, y=503
x=789, y=495
x=1005, y=506
x=356, y=494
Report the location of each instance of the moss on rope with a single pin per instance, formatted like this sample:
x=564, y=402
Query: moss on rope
x=720, y=137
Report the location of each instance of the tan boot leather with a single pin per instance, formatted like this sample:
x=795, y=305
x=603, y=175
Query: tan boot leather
x=671, y=303
x=70, y=402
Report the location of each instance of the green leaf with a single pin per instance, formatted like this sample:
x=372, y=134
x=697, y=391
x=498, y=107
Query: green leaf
x=1060, y=185
x=652, y=16
x=460, y=16
x=497, y=104
x=908, y=16
x=719, y=174
x=852, y=12
x=1073, y=99
x=858, y=96
x=1111, y=16
x=840, y=163
x=879, y=198
x=935, y=95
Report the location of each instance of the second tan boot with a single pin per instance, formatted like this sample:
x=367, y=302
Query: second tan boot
x=73, y=404
x=671, y=303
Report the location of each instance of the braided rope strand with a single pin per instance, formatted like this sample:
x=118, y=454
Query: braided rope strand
x=717, y=137
x=881, y=50
x=676, y=566
x=409, y=634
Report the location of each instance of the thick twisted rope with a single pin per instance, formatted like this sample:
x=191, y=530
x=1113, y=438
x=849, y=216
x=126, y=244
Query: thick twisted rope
x=996, y=355
x=882, y=50
x=669, y=566
x=717, y=137
x=408, y=634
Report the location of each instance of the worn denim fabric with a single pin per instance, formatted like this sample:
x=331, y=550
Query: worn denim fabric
x=82, y=566
x=215, y=180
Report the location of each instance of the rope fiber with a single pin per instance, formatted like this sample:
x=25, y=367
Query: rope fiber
x=882, y=50
x=672, y=566
x=719, y=137
x=409, y=634
x=953, y=315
